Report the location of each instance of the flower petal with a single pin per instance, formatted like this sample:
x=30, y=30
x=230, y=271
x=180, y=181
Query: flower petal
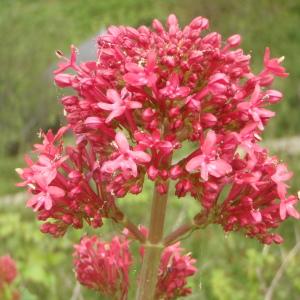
x=56, y=192
x=140, y=156
x=219, y=168
x=194, y=163
x=209, y=143
x=114, y=96
x=122, y=142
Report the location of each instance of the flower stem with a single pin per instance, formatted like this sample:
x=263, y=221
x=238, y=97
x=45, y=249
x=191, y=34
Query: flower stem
x=133, y=229
x=200, y=221
x=153, y=248
x=178, y=233
x=119, y=217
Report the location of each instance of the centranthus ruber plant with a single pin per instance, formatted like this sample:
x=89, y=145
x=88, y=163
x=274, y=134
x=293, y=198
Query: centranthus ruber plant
x=150, y=91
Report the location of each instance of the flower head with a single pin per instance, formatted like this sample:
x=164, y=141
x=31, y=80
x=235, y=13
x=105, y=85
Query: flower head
x=150, y=92
x=8, y=270
x=174, y=270
x=103, y=266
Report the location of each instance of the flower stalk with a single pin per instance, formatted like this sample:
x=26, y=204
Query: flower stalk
x=178, y=233
x=153, y=247
x=133, y=229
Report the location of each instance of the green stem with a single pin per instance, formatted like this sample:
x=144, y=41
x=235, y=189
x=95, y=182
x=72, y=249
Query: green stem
x=153, y=248
x=174, y=236
x=133, y=229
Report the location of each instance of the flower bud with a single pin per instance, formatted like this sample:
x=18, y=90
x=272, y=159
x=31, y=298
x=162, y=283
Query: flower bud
x=174, y=112
x=209, y=120
x=135, y=189
x=63, y=80
x=148, y=114
x=199, y=23
x=182, y=187
x=157, y=26
x=152, y=172
x=234, y=40
x=67, y=219
x=162, y=188
x=272, y=96
x=175, y=172
x=164, y=174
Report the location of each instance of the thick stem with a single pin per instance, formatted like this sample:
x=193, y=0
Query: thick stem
x=149, y=272
x=153, y=248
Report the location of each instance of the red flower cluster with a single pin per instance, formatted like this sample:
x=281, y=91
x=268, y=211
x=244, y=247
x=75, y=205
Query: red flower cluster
x=149, y=92
x=8, y=270
x=8, y=273
x=61, y=189
x=103, y=266
x=173, y=272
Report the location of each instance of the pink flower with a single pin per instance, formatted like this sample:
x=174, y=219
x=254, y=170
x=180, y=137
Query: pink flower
x=46, y=194
x=279, y=177
x=139, y=76
x=49, y=139
x=155, y=142
x=119, y=104
x=127, y=159
x=253, y=109
x=103, y=266
x=69, y=63
x=207, y=162
x=287, y=208
x=273, y=65
x=173, y=89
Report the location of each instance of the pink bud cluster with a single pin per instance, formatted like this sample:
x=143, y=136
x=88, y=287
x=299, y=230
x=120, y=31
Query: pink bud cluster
x=174, y=270
x=60, y=186
x=150, y=92
x=103, y=266
x=8, y=270
x=8, y=273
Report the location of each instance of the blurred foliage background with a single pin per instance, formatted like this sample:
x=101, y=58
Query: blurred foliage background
x=230, y=267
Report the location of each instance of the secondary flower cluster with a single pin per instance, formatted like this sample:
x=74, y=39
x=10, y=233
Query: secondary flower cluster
x=104, y=266
x=8, y=273
x=60, y=188
x=174, y=270
x=150, y=92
